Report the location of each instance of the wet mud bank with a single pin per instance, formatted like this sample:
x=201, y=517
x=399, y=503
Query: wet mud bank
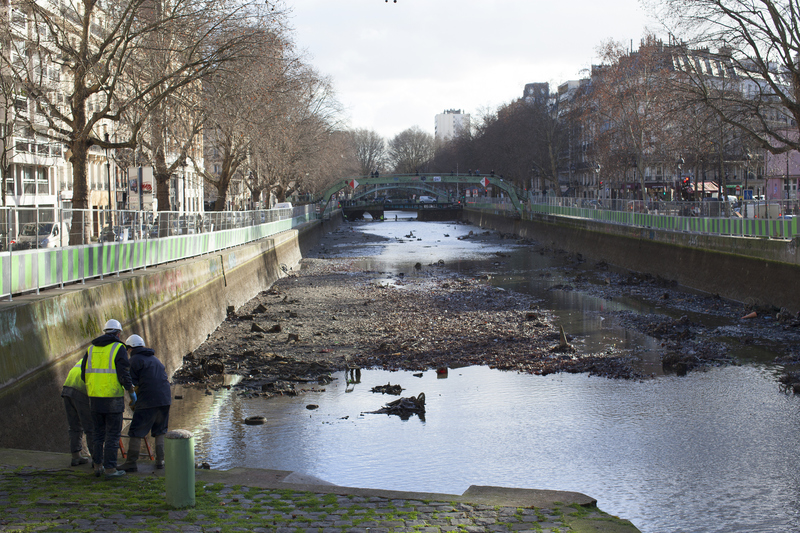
x=758, y=272
x=697, y=329
x=329, y=315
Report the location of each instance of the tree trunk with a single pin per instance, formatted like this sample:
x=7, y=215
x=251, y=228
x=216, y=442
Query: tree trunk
x=161, y=174
x=222, y=196
x=81, y=229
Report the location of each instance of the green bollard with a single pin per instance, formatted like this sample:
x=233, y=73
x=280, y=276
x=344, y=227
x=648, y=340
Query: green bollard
x=179, y=465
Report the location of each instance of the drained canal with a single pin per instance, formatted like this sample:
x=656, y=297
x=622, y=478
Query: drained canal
x=712, y=451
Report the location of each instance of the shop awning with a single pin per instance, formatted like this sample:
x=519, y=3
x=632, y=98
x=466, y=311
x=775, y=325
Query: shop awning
x=708, y=187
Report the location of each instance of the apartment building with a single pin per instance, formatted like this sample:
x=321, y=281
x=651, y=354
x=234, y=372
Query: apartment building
x=35, y=88
x=450, y=123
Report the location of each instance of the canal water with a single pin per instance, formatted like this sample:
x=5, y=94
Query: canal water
x=713, y=451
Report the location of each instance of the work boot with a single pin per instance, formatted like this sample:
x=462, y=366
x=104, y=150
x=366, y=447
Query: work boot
x=134, y=447
x=160, y=452
x=78, y=459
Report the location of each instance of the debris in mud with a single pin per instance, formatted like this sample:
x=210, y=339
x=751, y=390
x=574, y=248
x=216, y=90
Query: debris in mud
x=341, y=318
x=388, y=389
x=790, y=382
x=679, y=363
x=679, y=329
x=405, y=407
x=787, y=319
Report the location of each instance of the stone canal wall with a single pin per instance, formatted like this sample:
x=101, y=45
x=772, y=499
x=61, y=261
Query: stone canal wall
x=755, y=271
x=173, y=307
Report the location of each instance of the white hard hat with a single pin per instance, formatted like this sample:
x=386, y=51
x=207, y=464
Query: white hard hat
x=112, y=325
x=134, y=341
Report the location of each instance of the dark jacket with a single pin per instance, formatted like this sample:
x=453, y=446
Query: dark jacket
x=122, y=365
x=149, y=374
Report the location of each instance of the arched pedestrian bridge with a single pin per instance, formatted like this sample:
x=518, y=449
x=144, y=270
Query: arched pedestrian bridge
x=448, y=189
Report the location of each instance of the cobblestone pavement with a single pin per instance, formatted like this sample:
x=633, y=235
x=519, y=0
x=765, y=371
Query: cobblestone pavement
x=72, y=499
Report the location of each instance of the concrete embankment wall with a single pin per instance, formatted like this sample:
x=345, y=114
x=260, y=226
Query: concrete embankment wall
x=760, y=272
x=173, y=307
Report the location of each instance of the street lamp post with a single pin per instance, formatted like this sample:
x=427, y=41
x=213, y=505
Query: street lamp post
x=600, y=190
x=108, y=176
x=183, y=175
x=748, y=157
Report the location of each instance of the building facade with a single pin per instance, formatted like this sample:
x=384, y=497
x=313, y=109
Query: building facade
x=450, y=124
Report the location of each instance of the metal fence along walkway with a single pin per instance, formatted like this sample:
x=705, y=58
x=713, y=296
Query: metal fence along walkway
x=136, y=244
x=689, y=217
x=31, y=270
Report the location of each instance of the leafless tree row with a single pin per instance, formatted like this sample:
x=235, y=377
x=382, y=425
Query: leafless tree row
x=149, y=78
x=725, y=85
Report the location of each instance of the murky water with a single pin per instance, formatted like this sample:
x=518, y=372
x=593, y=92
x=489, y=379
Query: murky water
x=713, y=451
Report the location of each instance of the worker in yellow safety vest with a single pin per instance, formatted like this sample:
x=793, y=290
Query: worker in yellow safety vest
x=106, y=370
x=79, y=417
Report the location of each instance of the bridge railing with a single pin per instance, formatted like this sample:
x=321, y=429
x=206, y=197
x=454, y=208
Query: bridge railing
x=118, y=241
x=753, y=218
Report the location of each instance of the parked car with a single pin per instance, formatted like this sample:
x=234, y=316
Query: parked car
x=591, y=203
x=427, y=199
x=41, y=235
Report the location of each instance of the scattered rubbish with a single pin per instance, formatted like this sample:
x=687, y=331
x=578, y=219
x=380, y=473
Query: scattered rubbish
x=388, y=389
x=563, y=338
x=405, y=407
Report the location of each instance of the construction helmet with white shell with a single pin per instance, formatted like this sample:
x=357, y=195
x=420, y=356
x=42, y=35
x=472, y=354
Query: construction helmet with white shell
x=134, y=341
x=112, y=325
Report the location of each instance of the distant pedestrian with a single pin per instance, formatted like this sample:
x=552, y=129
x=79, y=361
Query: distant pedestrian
x=106, y=370
x=151, y=412
x=79, y=416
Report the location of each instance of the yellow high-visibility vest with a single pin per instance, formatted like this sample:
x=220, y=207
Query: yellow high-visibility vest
x=101, y=373
x=74, y=379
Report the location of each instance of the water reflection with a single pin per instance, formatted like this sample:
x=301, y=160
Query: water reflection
x=714, y=451
x=672, y=454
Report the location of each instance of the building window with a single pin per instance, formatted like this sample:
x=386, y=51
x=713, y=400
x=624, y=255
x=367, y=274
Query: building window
x=34, y=180
x=21, y=104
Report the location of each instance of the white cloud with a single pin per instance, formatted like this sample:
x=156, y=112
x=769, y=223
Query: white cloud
x=395, y=65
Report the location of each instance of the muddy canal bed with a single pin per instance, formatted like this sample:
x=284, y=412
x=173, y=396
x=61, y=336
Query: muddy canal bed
x=666, y=405
x=330, y=313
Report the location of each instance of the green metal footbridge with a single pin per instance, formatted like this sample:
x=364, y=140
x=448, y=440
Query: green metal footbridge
x=436, y=185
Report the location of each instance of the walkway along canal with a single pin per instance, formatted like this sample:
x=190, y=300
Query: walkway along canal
x=712, y=449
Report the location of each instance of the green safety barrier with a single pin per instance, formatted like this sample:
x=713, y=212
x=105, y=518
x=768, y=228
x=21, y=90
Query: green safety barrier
x=748, y=227
x=30, y=270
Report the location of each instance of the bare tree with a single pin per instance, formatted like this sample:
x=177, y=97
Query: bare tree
x=411, y=150
x=292, y=144
x=239, y=102
x=104, y=52
x=752, y=81
x=630, y=97
x=370, y=150
x=226, y=131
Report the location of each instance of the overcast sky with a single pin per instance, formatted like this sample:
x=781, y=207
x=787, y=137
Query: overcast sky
x=396, y=65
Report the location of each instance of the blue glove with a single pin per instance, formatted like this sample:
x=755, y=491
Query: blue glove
x=133, y=397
